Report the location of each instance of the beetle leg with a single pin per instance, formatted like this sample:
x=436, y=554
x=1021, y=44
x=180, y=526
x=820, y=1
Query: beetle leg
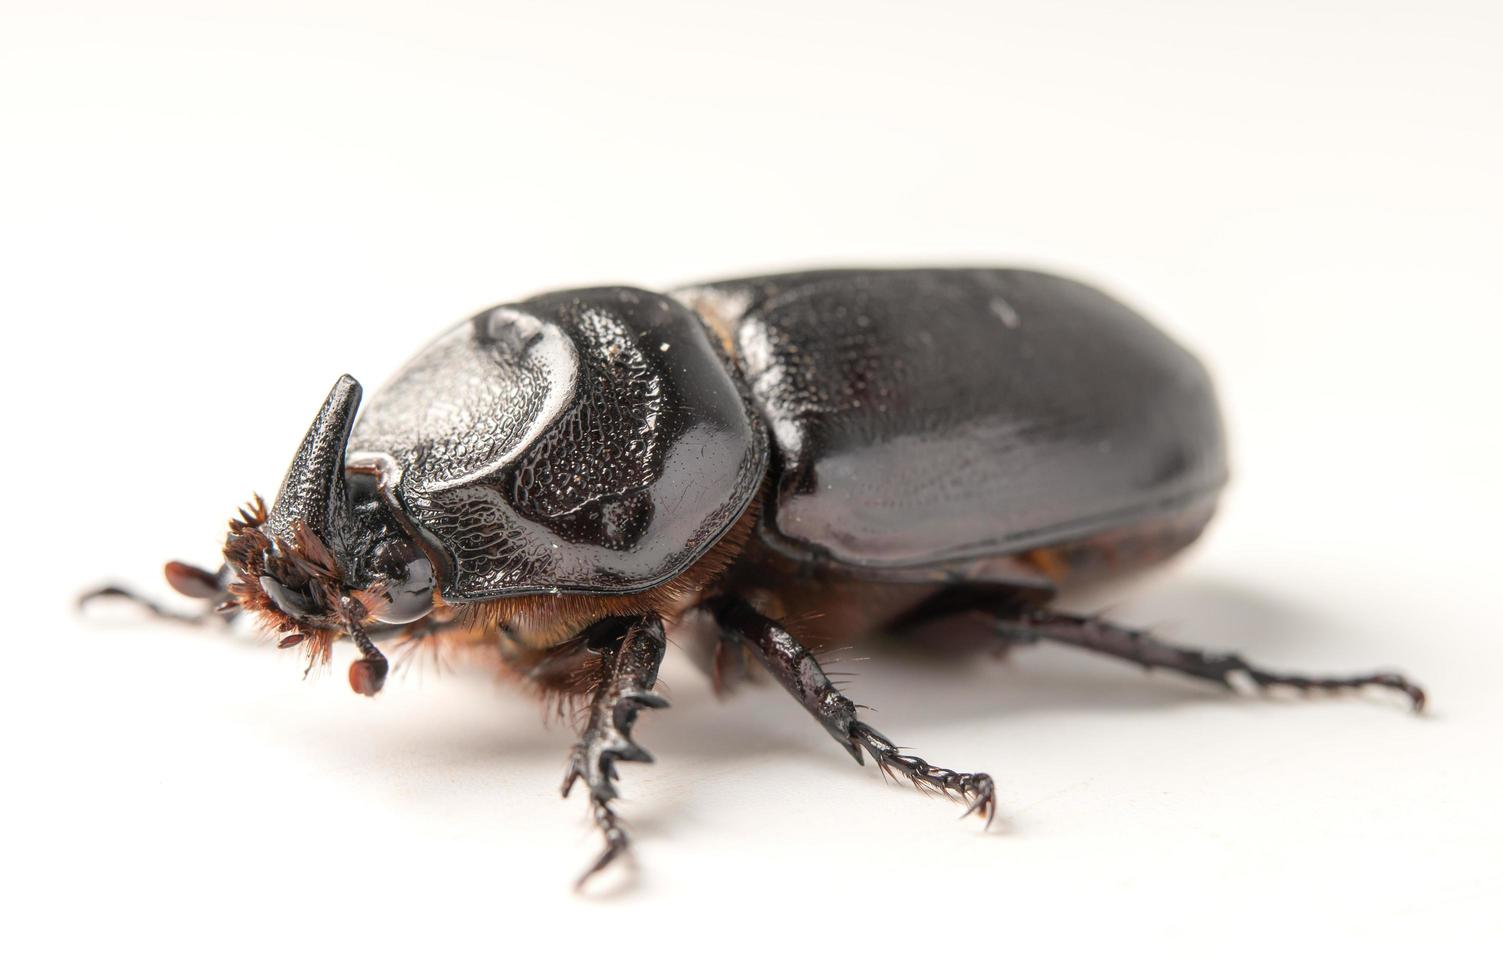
x=797, y=670
x=191, y=581
x=717, y=652
x=1139, y=647
x=627, y=671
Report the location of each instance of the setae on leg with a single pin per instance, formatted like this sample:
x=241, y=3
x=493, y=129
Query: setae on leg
x=1226, y=669
x=797, y=670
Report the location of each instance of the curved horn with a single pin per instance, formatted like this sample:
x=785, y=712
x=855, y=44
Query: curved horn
x=313, y=492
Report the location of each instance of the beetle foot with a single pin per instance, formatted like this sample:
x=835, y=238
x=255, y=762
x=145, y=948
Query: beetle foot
x=594, y=760
x=1229, y=670
x=975, y=788
x=1241, y=674
x=616, y=842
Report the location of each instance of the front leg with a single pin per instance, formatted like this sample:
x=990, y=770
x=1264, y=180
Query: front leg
x=189, y=580
x=628, y=654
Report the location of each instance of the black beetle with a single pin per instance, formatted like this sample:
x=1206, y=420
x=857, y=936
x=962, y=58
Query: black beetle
x=803, y=458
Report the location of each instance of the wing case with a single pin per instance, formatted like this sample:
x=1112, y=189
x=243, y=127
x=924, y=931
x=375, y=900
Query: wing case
x=934, y=417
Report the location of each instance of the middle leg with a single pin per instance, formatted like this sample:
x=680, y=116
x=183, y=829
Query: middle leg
x=797, y=670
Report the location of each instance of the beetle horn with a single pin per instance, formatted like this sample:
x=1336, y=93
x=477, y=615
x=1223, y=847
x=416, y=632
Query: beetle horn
x=313, y=492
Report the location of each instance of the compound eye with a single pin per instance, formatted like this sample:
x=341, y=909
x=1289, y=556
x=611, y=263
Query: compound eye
x=294, y=602
x=407, y=575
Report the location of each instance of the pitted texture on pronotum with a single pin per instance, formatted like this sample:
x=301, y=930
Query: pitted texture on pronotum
x=611, y=444
x=590, y=441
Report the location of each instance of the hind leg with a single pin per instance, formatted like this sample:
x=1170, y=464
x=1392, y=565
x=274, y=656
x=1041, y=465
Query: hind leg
x=1020, y=618
x=1229, y=670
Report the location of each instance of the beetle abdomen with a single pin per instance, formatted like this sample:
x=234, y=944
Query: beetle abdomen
x=928, y=417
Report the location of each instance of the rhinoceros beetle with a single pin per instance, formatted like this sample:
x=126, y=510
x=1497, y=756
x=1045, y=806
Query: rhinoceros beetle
x=796, y=460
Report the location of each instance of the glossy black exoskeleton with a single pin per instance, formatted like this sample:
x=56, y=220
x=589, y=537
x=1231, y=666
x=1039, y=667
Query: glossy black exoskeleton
x=801, y=459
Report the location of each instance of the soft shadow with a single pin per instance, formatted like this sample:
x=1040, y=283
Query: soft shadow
x=926, y=683
x=1217, y=613
x=911, y=685
x=459, y=728
x=463, y=724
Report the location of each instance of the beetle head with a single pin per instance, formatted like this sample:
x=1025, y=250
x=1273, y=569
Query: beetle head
x=332, y=553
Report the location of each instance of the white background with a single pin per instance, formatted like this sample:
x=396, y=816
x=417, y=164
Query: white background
x=210, y=211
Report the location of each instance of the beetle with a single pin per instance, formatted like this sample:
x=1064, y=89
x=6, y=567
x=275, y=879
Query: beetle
x=798, y=460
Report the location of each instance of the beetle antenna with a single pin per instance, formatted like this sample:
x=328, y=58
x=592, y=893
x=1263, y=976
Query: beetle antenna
x=368, y=674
